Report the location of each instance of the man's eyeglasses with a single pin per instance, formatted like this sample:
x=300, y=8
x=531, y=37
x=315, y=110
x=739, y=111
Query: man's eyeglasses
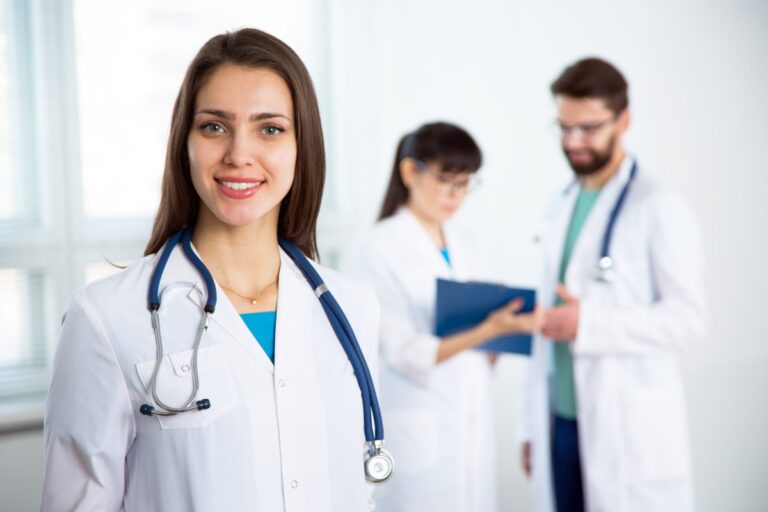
x=582, y=130
x=450, y=182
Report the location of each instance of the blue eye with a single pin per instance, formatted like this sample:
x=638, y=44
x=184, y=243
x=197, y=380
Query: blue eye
x=272, y=130
x=212, y=128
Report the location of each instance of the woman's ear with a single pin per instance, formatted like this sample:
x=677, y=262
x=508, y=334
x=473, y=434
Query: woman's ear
x=408, y=171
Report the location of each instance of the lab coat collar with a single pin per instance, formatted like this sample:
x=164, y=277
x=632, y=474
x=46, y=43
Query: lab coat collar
x=594, y=226
x=179, y=270
x=294, y=302
x=618, y=180
x=422, y=242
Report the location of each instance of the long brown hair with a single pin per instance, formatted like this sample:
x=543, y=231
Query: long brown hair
x=180, y=204
x=445, y=143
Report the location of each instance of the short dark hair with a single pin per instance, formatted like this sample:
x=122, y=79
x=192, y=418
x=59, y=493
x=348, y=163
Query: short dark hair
x=252, y=48
x=446, y=144
x=593, y=78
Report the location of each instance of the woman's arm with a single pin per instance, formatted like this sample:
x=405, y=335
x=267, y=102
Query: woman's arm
x=498, y=323
x=410, y=350
x=89, y=424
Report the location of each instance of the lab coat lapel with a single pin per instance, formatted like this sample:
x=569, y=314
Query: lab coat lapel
x=179, y=271
x=460, y=265
x=295, y=308
x=586, y=252
x=226, y=317
x=554, y=240
x=420, y=242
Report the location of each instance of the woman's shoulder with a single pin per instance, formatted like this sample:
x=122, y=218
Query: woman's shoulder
x=108, y=305
x=135, y=275
x=114, y=292
x=386, y=238
x=391, y=227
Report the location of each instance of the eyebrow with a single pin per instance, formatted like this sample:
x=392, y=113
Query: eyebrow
x=230, y=116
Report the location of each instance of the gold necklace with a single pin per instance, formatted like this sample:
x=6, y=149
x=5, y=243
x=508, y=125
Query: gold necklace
x=252, y=300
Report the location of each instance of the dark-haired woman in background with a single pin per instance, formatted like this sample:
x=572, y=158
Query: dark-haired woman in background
x=436, y=392
x=284, y=426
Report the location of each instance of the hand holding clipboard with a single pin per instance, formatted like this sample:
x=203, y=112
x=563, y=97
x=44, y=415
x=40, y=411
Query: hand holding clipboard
x=463, y=305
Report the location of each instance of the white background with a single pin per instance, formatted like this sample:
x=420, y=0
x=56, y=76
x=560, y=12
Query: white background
x=698, y=79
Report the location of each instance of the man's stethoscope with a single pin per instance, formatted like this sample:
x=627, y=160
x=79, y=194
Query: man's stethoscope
x=605, y=272
x=379, y=464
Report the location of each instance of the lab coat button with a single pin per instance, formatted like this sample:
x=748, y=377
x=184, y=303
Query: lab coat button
x=281, y=383
x=185, y=368
x=294, y=484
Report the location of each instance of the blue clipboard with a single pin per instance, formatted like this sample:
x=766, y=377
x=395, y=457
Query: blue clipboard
x=462, y=305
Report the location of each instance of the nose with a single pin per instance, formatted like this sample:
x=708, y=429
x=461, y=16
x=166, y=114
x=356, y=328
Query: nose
x=573, y=139
x=241, y=150
x=457, y=190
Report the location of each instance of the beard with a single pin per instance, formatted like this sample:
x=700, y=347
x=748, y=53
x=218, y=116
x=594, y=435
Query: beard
x=600, y=159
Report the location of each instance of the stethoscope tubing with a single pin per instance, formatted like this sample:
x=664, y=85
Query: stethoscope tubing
x=372, y=419
x=605, y=249
x=165, y=409
x=349, y=343
x=605, y=261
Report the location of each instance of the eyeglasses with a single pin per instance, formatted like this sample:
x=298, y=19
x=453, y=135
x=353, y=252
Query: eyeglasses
x=449, y=182
x=582, y=130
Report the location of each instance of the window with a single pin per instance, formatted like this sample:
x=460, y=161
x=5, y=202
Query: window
x=15, y=187
x=25, y=273
x=86, y=92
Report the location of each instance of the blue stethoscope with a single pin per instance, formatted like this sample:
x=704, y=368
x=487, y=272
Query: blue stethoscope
x=605, y=272
x=378, y=462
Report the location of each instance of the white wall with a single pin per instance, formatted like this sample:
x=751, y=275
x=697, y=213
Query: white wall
x=698, y=81
x=21, y=470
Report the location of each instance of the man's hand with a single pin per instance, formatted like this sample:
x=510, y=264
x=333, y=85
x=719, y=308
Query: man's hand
x=525, y=458
x=507, y=320
x=561, y=323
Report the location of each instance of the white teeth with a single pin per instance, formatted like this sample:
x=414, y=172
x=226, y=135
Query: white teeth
x=239, y=185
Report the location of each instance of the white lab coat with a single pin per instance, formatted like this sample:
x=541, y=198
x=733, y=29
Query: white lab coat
x=283, y=437
x=633, y=430
x=438, y=419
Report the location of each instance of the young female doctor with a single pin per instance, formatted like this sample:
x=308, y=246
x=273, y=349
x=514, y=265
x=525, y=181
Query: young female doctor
x=209, y=376
x=435, y=392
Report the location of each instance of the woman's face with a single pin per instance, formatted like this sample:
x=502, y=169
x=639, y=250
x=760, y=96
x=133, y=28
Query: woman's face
x=433, y=193
x=242, y=145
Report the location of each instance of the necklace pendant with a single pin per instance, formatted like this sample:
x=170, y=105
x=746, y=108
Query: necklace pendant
x=253, y=301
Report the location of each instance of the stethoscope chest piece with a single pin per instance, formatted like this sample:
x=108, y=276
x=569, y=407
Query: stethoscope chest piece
x=379, y=464
x=605, y=272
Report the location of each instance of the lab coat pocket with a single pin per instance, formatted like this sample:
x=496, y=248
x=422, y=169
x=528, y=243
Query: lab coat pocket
x=175, y=382
x=656, y=434
x=414, y=437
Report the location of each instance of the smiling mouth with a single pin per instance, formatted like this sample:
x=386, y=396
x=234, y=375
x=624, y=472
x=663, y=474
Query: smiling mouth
x=240, y=185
